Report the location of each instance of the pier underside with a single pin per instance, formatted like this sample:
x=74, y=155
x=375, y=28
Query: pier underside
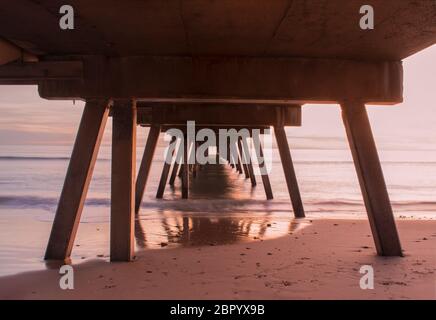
x=223, y=64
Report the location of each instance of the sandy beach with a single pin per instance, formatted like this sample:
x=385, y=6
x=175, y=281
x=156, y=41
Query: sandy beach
x=321, y=261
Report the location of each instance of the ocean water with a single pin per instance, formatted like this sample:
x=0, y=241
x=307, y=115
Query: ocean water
x=223, y=207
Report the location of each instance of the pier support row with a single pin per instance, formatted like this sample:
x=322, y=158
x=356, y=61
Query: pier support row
x=123, y=196
x=241, y=161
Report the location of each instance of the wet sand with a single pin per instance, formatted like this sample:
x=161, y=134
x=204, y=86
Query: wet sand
x=320, y=261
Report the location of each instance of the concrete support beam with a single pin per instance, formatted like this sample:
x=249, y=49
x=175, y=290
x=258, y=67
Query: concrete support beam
x=8, y=52
x=263, y=168
x=179, y=157
x=249, y=161
x=283, y=28
x=237, y=159
x=223, y=80
x=185, y=169
x=288, y=168
x=77, y=180
x=194, y=171
x=181, y=171
x=174, y=173
x=144, y=169
x=371, y=180
x=217, y=156
x=206, y=115
x=261, y=128
x=34, y=72
x=165, y=170
x=243, y=158
x=123, y=181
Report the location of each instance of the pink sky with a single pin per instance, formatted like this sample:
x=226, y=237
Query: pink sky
x=28, y=119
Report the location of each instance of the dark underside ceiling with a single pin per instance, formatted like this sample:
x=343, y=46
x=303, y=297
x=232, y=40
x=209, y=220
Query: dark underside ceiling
x=269, y=28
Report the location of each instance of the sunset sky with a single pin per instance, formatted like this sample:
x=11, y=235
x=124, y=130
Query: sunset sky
x=28, y=119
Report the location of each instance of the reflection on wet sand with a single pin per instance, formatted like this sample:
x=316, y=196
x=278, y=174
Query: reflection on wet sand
x=216, y=213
